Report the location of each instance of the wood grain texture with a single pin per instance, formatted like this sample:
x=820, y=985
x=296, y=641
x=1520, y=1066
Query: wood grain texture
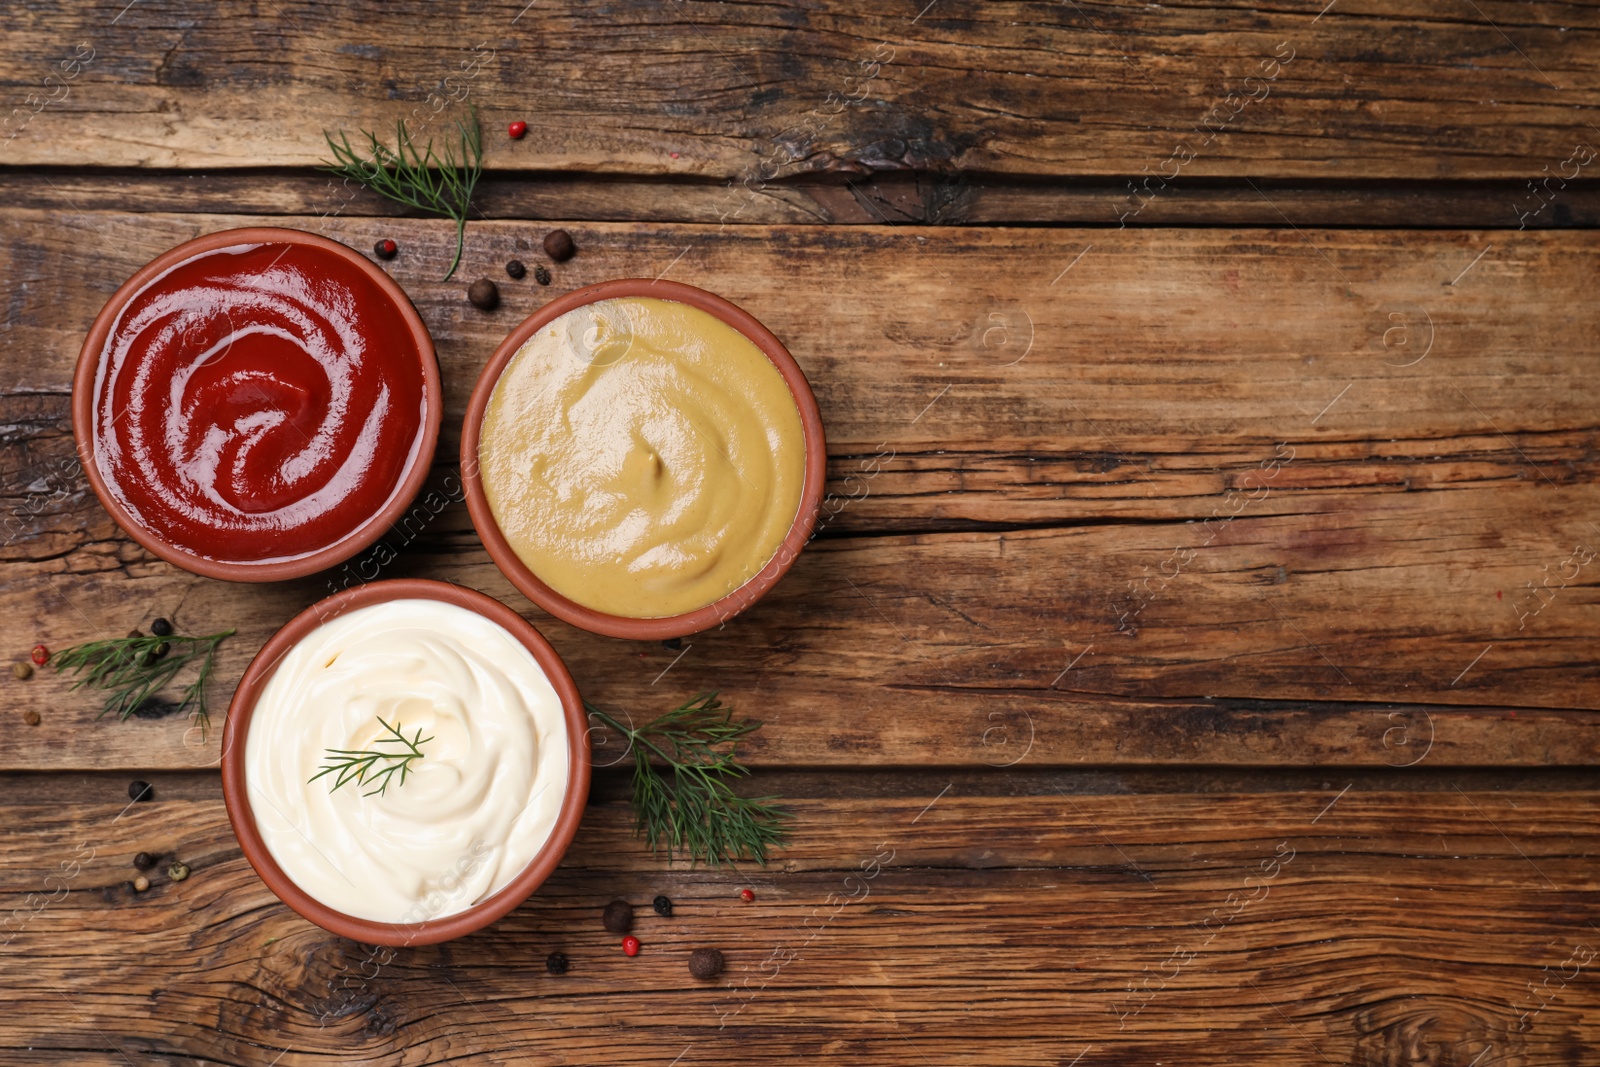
x=885, y=198
x=1184, y=495
x=1372, y=928
x=1196, y=664
x=758, y=90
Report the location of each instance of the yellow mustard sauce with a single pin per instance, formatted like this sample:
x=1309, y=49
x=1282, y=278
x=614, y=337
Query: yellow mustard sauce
x=642, y=457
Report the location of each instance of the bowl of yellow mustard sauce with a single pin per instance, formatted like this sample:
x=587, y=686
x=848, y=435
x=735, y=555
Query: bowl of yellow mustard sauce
x=643, y=459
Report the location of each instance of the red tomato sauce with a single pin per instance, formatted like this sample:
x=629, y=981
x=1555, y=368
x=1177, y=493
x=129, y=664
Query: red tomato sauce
x=258, y=403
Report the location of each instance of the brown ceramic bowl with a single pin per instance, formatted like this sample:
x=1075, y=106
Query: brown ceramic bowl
x=712, y=614
x=235, y=790
x=329, y=555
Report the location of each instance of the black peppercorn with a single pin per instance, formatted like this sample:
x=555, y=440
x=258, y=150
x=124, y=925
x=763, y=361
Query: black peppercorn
x=663, y=907
x=160, y=650
x=144, y=861
x=484, y=294
x=517, y=269
x=705, y=963
x=618, y=917
x=541, y=274
x=673, y=643
x=558, y=245
x=385, y=249
x=556, y=963
x=161, y=628
x=138, y=790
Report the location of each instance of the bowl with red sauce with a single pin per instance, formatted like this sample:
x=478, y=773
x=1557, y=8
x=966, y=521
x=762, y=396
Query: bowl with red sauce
x=257, y=404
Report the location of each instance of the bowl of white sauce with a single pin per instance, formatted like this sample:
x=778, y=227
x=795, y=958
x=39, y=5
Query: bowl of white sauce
x=405, y=762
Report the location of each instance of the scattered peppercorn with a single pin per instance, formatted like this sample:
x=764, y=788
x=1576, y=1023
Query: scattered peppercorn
x=144, y=860
x=630, y=946
x=747, y=895
x=135, y=632
x=517, y=269
x=541, y=274
x=140, y=884
x=178, y=872
x=618, y=917
x=138, y=790
x=663, y=907
x=484, y=294
x=31, y=717
x=161, y=628
x=705, y=963
x=384, y=249
x=23, y=671
x=517, y=129
x=41, y=655
x=673, y=643
x=558, y=245
x=556, y=963
x=160, y=650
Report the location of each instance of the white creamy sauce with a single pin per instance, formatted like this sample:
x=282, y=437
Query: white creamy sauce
x=472, y=813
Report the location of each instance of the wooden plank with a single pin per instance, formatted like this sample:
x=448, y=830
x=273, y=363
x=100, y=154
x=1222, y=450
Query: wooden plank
x=1131, y=347
x=887, y=198
x=758, y=91
x=1355, y=927
x=1086, y=556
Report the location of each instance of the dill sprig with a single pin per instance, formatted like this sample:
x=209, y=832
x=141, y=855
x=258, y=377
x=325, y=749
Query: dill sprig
x=419, y=179
x=695, y=810
x=374, y=766
x=132, y=670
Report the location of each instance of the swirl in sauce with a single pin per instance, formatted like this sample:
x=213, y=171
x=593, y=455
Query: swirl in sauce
x=473, y=812
x=258, y=403
x=642, y=457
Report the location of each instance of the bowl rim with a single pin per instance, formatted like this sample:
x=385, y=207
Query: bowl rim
x=235, y=787
x=84, y=400
x=718, y=611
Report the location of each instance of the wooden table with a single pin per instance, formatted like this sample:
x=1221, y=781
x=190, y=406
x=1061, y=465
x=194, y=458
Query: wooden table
x=1198, y=664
